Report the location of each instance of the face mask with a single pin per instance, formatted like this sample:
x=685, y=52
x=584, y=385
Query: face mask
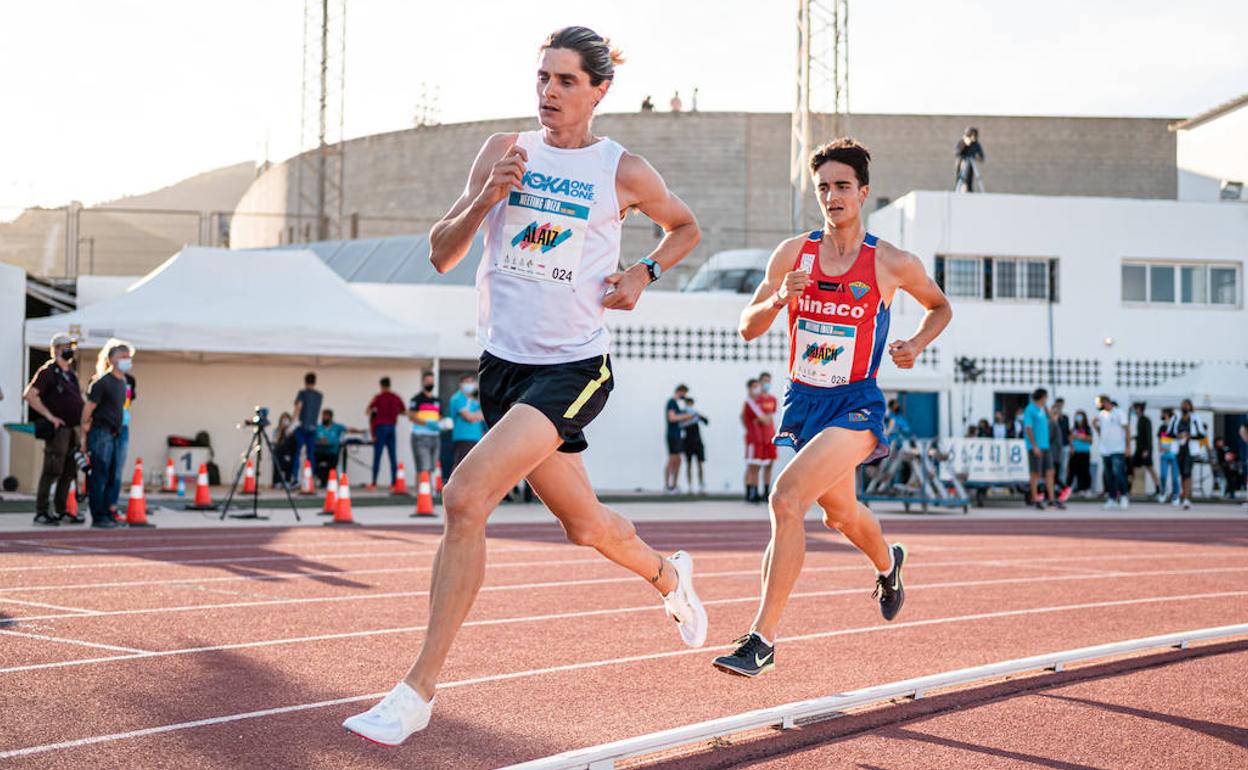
x=428, y=387
x=125, y=365
x=766, y=387
x=327, y=422
x=67, y=354
x=754, y=391
x=468, y=388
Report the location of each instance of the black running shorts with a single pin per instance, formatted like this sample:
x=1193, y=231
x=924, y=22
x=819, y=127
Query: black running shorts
x=570, y=395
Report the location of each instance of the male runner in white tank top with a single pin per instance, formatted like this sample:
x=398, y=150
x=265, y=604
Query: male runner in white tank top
x=552, y=202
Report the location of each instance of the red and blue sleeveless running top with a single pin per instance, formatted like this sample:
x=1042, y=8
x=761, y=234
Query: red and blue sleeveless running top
x=839, y=324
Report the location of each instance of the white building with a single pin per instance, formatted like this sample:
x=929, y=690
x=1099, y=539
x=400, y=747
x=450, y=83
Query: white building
x=1079, y=295
x=1212, y=153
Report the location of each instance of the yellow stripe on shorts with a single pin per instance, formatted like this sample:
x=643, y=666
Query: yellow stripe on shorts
x=604, y=374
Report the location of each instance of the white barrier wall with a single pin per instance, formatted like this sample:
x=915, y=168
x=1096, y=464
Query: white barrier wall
x=12, y=352
x=182, y=398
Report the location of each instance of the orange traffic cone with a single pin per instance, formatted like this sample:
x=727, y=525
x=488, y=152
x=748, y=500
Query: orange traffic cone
x=171, y=481
x=437, y=477
x=71, y=500
x=424, y=497
x=136, y=509
x=331, y=494
x=203, y=496
x=306, y=486
x=249, y=478
x=400, y=482
x=342, y=511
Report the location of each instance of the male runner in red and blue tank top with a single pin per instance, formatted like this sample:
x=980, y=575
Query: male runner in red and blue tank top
x=837, y=284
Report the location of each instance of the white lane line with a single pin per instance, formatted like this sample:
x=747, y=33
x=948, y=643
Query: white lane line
x=79, y=642
x=322, y=543
x=45, y=605
x=179, y=726
x=566, y=583
x=571, y=615
x=283, y=556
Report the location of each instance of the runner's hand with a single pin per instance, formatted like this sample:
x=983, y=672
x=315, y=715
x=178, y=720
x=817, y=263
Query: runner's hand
x=904, y=353
x=507, y=173
x=794, y=284
x=624, y=287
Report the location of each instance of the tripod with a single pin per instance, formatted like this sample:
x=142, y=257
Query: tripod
x=259, y=440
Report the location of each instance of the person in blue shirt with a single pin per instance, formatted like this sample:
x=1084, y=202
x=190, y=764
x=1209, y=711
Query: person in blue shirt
x=468, y=423
x=329, y=435
x=1040, y=460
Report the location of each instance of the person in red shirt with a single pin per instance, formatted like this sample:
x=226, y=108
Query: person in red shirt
x=759, y=451
x=767, y=403
x=383, y=412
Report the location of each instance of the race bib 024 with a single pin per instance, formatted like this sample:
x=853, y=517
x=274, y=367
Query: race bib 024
x=825, y=353
x=543, y=238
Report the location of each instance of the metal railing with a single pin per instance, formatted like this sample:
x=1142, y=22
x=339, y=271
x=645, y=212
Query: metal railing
x=789, y=715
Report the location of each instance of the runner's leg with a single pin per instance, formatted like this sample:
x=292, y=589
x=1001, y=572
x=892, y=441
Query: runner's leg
x=510, y=450
x=821, y=465
x=563, y=485
x=842, y=511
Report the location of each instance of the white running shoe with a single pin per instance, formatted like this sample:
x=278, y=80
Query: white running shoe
x=1176, y=502
x=1161, y=498
x=398, y=715
x=683, y=604
x=1123, y=502
x=1110, y=504
x=1187, y=505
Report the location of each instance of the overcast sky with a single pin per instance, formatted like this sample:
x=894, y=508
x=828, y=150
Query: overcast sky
x=104, y=98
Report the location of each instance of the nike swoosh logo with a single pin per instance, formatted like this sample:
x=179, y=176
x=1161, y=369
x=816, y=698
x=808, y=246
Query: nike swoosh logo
x=762, y=661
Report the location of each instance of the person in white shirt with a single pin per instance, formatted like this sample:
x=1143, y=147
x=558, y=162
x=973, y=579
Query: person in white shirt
x=551, y=203
x=1189, y=433
x=1114, y=442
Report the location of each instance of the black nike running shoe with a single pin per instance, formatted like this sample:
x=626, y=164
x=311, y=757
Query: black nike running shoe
x=888, y=588
x=752, y=657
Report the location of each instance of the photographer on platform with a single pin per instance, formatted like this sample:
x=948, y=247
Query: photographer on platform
x=102, y=420
x=56, y=405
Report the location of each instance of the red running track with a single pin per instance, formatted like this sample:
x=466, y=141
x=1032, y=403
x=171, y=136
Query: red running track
x=230, y=648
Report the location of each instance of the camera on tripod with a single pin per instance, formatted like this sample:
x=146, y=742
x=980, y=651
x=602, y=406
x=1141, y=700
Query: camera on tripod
x=260, y=419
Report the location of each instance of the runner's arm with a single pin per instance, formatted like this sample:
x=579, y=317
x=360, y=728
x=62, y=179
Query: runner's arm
x=912, y=277
x=777, y=287
x=498, y=168
x=641, y=187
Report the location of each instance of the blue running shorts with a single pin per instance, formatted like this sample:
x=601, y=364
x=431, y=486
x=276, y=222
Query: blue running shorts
x=809, y=410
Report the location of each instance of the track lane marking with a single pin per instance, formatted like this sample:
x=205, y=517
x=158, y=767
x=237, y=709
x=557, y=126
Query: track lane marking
x=62, y=640
x=577, y=614
x=45, y=605
x=556, y=584
x=178, y=726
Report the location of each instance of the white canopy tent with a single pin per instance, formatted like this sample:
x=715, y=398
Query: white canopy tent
x=1215, y=387
x=210, y=301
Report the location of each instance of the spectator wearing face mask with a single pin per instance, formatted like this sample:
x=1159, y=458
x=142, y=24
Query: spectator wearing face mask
x=101, y=425
x=56, y=408
x=123, y=436
x=425, y=412
x=468, y=423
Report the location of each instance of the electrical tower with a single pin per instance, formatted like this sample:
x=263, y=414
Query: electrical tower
x=822, y=91
x=319, y=177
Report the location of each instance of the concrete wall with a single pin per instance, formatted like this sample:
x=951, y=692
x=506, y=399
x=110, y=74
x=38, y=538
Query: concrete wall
x=1212, y=152
x=733, y=169
x=12, y=352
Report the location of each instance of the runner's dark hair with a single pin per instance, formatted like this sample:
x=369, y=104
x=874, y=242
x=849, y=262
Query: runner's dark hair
x=845, y=150
x=598, y=58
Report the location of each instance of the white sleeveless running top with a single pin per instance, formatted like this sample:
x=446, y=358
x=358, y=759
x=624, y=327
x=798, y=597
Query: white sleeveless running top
x=548, y=249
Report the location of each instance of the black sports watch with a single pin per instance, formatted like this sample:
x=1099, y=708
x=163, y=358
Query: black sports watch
x=653, y=268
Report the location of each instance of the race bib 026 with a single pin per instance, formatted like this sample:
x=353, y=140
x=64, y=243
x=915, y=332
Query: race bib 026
x=825, y=353
x=543, y=238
